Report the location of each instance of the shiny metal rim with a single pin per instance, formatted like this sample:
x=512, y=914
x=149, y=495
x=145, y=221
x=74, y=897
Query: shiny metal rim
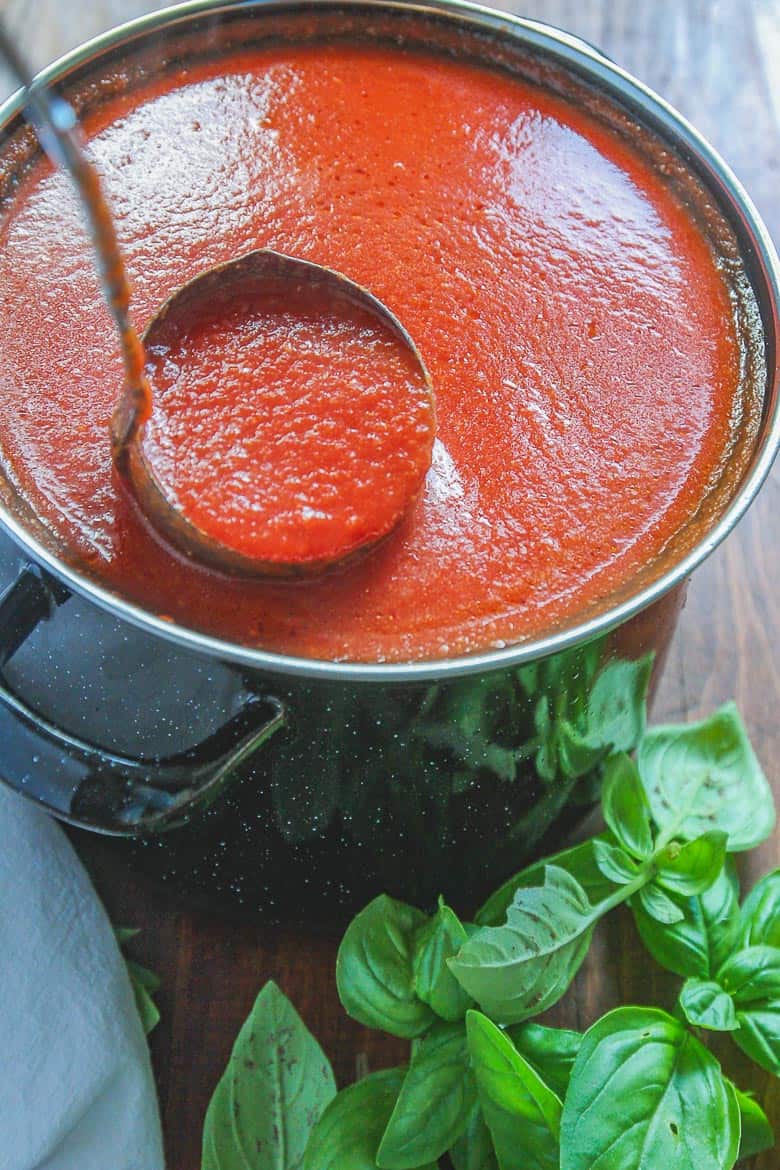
x=575, y=53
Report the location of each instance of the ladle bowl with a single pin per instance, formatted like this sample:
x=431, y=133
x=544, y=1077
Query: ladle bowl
x=266, y=275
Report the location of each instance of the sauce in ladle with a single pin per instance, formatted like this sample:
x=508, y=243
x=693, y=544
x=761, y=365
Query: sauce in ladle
x=293, y=419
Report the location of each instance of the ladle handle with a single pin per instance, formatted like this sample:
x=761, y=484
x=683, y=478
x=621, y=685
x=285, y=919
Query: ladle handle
x=57, y=126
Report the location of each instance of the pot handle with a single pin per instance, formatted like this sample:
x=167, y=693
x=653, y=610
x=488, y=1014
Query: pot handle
x=92, y=787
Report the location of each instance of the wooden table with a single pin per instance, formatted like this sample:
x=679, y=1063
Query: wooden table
x=720, y=65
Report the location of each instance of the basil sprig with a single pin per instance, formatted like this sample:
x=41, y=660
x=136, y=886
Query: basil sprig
x=519, y=969
x=487, y=1087
x=744, y=998
x=732, y=964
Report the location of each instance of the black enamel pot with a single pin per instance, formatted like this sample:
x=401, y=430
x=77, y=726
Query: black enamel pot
x=259, y=777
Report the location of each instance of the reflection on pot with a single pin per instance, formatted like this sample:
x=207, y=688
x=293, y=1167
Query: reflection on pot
x=415, y=790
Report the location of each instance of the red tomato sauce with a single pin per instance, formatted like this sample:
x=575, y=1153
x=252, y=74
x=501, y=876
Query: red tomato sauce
x=290, y=424
x=576, y=327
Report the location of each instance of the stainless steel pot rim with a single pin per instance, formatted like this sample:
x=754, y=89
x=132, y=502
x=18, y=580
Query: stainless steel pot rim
x=571, y=50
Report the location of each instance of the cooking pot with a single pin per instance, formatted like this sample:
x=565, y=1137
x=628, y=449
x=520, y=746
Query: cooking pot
x=295, y=787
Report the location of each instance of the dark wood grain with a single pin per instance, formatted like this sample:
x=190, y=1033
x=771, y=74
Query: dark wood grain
x=718, y=63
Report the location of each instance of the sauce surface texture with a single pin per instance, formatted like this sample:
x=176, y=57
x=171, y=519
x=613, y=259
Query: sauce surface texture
x=579, y=336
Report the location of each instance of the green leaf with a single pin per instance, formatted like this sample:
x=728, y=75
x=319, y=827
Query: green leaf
x=124, y=934
x=659, y=906
x=759, y=1034
x=707, y=1005
x=218, y=1138
x=277, y=1083
x=645, y=1094
x=617, y=704
x=142, y=976
x=438, y=940
x=580, y=862
x=348, y=1134
x=625, y=806
x=474, y=1148
x=550, y=1051
x=760, y=917
x=616, y=865
x=143, y=982
x=147, y=1008
x=703, y=939
x=701, y=776
x=436, y=1098
x=521, y=1112
x=691, y=869
x=520, y=969
x=375, y=969
x=752, y=975
x=757, y=1133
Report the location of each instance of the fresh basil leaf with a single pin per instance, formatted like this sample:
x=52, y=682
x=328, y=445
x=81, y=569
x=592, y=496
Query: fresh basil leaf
x=659, y=906
x=218, y=1135
x=691, y=869
x=760, y=917
x=645, y=1093
x=699, y=943
x=474, y=1148
x=579, y=861
x=142, y=976
x=759, y=1034
x=375, y=969
x=436, y=1098
x=752, y=975
x=143, y=982
x=616, y=865
x=348, y=1134
x=521, y=1112
x=617, y=704
x=550, y=1051
x=520, y=969
x=277, y=1083
x=700, y=776
x=625, y=807
x=757, y=1133
x=124, y=934
x=707, y=1005
x=438, y=940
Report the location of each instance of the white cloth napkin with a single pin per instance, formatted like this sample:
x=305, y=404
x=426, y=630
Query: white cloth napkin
x=76, y=1086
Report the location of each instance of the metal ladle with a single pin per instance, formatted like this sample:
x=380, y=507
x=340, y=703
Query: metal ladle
x=57, y=127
